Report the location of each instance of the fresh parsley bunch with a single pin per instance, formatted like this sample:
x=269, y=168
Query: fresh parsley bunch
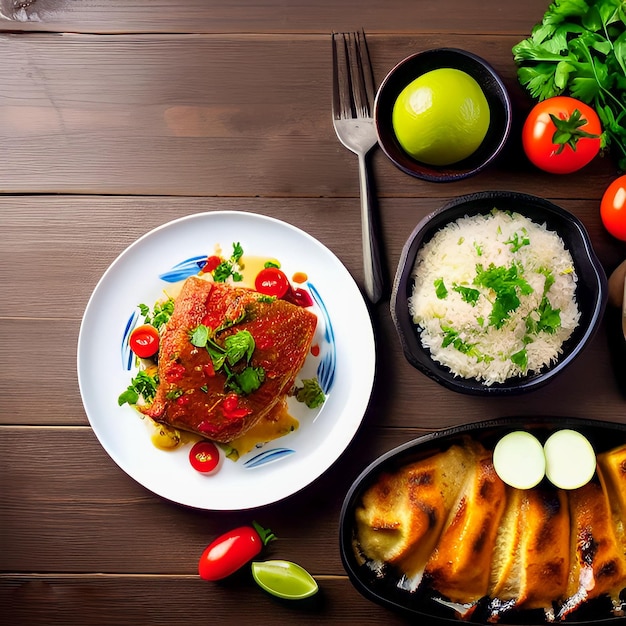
x=579, y=49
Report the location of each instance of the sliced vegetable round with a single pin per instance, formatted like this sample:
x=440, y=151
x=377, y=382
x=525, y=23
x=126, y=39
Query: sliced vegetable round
x=204, y=457
x=272, y=282
x=144, y=341
x=284, y=579
x=519, y=460
x=232, y=550
x=561, y=135
x=570, y=459
x=613, y=208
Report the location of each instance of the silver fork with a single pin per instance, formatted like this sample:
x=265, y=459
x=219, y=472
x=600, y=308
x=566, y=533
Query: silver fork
x=353, y=102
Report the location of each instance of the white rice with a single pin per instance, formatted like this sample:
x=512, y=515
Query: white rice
x=477, y=348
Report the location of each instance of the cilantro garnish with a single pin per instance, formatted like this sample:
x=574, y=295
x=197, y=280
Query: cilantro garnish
x=160, y=314
x=229, y=267
x=549, y=276
x=468, y=294
x=518, y=240
x=549, y=319
x=142, y=386
x=579, y=49
x=520, y=359
x=310, y=393
x=236, y=351
x=440, y=289
x=506, y=284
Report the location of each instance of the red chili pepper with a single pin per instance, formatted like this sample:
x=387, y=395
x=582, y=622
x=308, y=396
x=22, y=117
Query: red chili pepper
x=211, y=263
x=231, y=408
x=174, y=372
x=182, y=400
x=208, y=369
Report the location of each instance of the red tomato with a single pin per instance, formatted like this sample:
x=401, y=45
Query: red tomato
x=204, y=456
x=272, y=282
x=144, y=341
x=613, y=208
x=561, y=135
x=232, y=550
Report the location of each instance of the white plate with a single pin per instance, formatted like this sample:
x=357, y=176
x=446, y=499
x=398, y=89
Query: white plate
x=345, y=365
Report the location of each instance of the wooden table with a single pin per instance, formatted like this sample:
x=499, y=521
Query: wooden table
x=117, y=117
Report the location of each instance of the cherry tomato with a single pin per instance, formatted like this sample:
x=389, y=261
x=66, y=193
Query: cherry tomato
x=613, y=208
x=232, y=550
x=272, y=282
x=204, y=456
x=561, y=135
x=144, y=341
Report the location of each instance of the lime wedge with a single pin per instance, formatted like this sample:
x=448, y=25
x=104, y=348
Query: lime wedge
x=284, y=579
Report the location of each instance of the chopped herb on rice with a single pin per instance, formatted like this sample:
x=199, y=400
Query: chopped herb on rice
x=494, y=296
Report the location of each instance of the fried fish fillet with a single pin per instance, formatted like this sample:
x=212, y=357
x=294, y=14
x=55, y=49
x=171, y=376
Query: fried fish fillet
x=401, y=515
x=598, y=562
x=193, y=394
x=460, y=564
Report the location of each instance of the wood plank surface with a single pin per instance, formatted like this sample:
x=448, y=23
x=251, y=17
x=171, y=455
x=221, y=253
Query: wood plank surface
x=246, y=116
x=275, y=16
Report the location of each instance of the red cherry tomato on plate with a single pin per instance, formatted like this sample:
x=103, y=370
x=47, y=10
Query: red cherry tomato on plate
x=272, y=282
x=613, y=208
x=561, y=135
x=204, y=456
x=232, y=550
x=144, y=341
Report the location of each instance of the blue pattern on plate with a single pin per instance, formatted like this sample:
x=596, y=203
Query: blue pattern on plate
x=268, y=456
x=326, y=368
x=127, y=353
x=184, y=269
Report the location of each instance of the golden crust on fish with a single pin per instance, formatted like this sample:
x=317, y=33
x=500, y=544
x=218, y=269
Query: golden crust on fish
x=401, y=515
x=450, y=518
x=598, y=563
x=544, y=548
x=459, y=566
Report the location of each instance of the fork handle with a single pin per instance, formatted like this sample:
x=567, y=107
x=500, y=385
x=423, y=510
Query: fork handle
x=372, y=262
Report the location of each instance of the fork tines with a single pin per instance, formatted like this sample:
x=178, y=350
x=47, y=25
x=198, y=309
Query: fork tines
x=353, y=79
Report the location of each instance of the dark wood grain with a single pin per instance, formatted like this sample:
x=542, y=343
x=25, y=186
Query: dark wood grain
x=254, y=16
x=118, y=117
x=241, y=115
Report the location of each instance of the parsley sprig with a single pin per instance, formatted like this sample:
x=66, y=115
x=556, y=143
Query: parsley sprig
x=142, y=386
x=579, y=49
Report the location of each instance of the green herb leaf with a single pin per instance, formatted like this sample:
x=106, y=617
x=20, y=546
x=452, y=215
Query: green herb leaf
x=238, y=346
x=506, y=284
x=520, y=359
x=310, y=393
x=142, y=386
x=518, y=240
x=199, y=336
x=440, y=289
x=468, y=294
x=248, y=380
x=229, y=267
x=160, y=315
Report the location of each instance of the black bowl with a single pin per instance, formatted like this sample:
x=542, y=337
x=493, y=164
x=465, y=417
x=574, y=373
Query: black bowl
x=422, y=606
x=591, y=288
x=414, y=66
